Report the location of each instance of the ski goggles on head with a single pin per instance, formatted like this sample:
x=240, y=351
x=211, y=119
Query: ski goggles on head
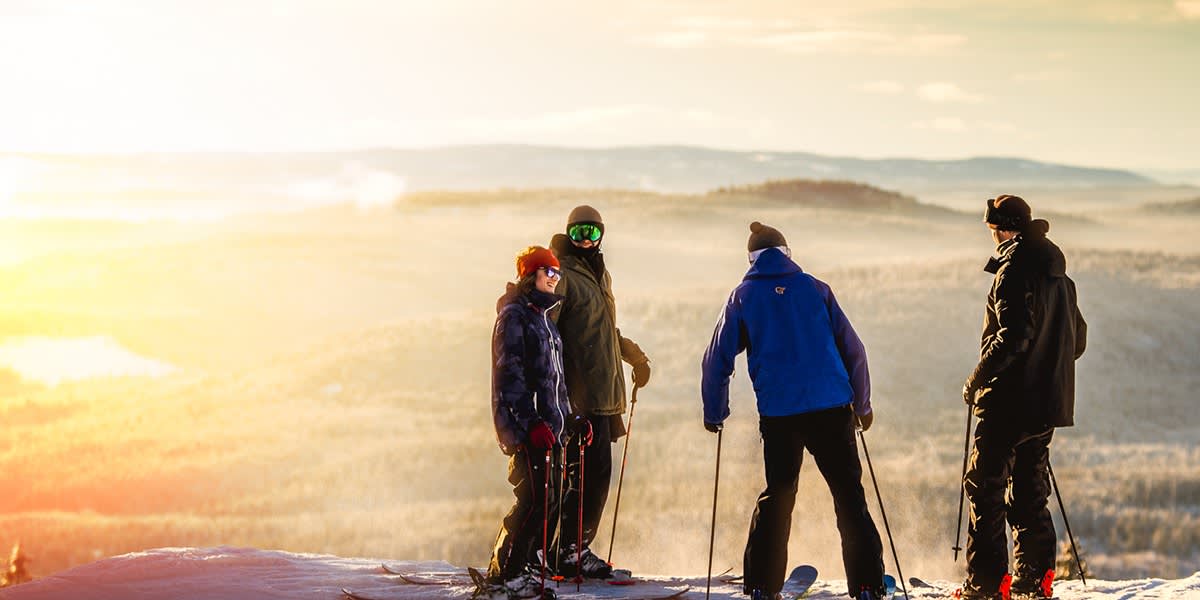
x=585, y=231
x=999, y=220
x=551, y=272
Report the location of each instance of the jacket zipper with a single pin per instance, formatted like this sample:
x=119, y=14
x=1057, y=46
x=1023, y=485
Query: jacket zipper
x=555, y=359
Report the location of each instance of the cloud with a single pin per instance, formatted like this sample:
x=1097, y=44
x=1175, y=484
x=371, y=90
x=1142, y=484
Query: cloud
x=789, y=36
x=883, y=87
x=959, y=125
x=1188, y=9
x=942, y=92
x=945, y=124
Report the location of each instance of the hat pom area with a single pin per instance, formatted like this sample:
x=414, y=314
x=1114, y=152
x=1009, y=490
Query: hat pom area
x=756, y=227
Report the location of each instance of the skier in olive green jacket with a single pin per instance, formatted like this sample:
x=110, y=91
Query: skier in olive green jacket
x=593, y=349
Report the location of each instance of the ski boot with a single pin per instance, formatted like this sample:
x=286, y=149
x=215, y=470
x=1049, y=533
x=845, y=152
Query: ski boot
x=970, y=592
x=584, y=563
x=1031, y=588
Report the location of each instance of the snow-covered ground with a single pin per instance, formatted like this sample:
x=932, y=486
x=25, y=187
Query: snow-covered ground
x=235, y=573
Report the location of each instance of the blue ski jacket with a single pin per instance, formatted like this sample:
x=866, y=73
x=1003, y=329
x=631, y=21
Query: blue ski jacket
x=801, y=350
x=527, y=369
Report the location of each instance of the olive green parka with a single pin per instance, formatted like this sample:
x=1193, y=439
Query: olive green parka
x=593, y=347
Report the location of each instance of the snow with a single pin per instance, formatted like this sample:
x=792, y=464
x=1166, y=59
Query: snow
x=233, y=573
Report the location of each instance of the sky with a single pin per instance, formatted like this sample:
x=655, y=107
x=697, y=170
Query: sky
x=1103, y=83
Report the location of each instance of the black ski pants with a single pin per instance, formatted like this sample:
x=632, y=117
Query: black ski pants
x=829, y=436
x=1008, y=458
x=597, y=478
x=520, y=536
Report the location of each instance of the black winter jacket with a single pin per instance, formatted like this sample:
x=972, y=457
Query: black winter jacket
x=527, y=376
x=1032, y=335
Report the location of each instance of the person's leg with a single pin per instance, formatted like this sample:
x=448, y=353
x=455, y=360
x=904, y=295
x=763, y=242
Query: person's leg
x=765, y=562
x=986, y=482
x=1034, y=539
x=596, y=473
x=523, y=524
x=598, y=477
x=830, y=439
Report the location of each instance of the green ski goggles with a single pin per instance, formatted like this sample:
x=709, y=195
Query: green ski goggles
x=585, y=231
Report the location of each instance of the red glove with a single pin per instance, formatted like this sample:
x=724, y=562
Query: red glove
x=541, y=437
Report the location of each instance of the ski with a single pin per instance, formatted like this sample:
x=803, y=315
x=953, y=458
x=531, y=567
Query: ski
x=428, y=578
x=354, y=595
x=919, y=583
x=669, y=596
x=889, y=586
x=798, y=582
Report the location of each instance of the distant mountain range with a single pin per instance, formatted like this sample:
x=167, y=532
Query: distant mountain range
x=692, y=169
x=657, y=168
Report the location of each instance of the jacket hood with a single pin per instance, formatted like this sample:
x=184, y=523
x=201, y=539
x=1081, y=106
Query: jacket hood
x=1035, y=250
x=508, y=297
x=772, y=263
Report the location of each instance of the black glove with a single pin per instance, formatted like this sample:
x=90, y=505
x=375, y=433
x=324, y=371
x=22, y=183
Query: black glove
x=641, y=373
x=714, y=427
x=864, y=421
x=580, y=425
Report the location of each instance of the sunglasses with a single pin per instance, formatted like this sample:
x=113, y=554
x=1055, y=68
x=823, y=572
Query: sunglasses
x=585, y=231
x=551, y=272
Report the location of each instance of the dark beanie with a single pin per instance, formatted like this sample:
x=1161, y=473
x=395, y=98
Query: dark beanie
x=764, y=236
x=1008, y=213
x=584, y=214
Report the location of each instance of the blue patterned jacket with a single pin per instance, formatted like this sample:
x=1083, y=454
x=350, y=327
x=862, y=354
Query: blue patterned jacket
x=527, y=369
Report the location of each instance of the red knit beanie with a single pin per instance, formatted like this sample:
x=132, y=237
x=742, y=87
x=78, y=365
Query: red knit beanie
x=533, y=258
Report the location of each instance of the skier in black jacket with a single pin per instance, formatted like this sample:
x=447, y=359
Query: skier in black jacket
x=532, y=416
x=1022, y=388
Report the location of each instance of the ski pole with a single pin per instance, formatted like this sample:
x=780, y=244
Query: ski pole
x=712, y=535
x=545, y=516
x=882, y=512
x=579, y=539
x=558, y=531
x=962, y=484
x=1063, y=508
x=621, y=478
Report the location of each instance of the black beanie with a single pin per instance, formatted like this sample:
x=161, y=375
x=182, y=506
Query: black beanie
x=764, y=236
x=1008, y=213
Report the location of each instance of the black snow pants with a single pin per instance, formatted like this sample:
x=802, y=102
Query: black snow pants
x=520, y=536
x=597, y=478
x=1005, y=454
x=829, y=436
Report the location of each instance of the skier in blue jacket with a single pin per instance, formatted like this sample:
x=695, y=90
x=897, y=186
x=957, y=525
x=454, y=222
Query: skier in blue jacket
x=809, y=371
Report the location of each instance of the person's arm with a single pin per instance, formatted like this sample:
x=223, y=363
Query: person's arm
x=511, y=391
x=1080, y=325
x=727, y=342
x=1014, y=315
x=852, y=350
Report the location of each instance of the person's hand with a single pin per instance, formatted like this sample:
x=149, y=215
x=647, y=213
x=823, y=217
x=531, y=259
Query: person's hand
x=582, y=427
x=864, y=421
x=968, y=395
x=540, y=437
x=714, y=427
x=641, y=373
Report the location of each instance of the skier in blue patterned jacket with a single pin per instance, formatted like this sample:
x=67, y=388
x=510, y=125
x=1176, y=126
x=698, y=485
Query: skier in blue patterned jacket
x=809, y=371
x=532, y=416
